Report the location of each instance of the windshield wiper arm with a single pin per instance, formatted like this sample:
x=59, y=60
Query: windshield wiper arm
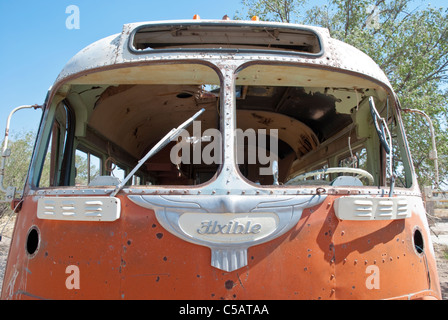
x=170, y=136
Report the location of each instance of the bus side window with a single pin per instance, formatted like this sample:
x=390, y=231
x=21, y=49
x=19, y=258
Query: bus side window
x=87, y=167
x=357, y=159
x=58, y=160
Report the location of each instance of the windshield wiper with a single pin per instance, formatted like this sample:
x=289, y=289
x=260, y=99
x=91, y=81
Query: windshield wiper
x=170, y=136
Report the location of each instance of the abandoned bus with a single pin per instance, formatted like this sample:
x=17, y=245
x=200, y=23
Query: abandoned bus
x=209, y=159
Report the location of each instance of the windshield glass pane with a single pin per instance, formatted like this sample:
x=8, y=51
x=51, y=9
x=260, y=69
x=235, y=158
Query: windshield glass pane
x=119, y=115
x=316, y=126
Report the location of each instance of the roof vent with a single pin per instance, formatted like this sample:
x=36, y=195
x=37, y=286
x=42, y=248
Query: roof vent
x=225, y=36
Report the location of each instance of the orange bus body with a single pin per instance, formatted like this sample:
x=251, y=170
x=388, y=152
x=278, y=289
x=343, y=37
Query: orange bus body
x=234, y=235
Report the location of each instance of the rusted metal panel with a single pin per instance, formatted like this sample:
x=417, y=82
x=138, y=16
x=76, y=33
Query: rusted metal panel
x=321, y=257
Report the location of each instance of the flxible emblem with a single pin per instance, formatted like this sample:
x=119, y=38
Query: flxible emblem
x=228, y=225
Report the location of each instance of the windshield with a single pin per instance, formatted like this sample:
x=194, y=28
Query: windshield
x=294, y=126
x=107, y=123
x=318, y=127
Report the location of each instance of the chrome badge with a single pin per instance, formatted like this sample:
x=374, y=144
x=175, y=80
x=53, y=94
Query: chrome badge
x=228, y=225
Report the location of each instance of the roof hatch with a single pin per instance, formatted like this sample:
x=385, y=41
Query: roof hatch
x=225, y=36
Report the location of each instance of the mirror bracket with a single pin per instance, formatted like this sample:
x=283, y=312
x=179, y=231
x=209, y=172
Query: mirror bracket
x=10, y=191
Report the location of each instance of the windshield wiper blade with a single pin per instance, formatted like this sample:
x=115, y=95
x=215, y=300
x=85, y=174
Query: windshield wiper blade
x=170, y=136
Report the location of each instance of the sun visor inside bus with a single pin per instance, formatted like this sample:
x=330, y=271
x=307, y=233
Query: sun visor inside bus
x=211, y=37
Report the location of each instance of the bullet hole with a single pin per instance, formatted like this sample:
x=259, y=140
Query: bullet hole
x=159, y=235
x=129, y=242
x=32, y=241
x=184, y=95
x=229, y=284
x=154, y=225
x=165, y=258
x=418, y=241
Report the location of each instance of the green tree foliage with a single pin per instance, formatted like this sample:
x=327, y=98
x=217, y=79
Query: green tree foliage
x=17, y=164
x=16, y=168
x=82, y=169
x=409, y=43
x=273, y=10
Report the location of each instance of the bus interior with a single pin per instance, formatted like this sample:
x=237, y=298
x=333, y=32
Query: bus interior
x=105, y=122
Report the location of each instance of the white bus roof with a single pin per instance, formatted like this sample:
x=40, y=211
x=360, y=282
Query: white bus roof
x=122, y=49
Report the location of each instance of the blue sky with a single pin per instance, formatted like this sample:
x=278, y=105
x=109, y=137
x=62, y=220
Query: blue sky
x=35, y=43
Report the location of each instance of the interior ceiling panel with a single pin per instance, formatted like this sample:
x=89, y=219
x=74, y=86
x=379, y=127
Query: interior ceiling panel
x=135, y=117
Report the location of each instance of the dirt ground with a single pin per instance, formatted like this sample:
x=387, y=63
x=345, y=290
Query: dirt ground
x=439, y=235
x=442, y=266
